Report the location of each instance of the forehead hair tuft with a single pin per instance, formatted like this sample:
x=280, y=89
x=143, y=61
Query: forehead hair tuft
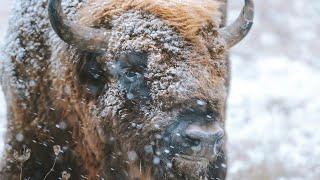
x=188, y=17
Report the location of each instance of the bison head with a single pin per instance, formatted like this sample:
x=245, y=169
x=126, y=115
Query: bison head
x=148, y=87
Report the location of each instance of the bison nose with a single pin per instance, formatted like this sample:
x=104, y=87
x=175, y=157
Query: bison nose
x=209, y=134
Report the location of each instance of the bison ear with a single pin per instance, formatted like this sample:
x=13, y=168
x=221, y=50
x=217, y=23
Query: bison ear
x=83, y=38
x=238, y=30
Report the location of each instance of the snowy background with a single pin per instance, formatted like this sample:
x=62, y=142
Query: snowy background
x=274, y=106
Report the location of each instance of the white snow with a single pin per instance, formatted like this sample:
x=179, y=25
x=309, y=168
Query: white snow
x=273, y=118
x=274, y=104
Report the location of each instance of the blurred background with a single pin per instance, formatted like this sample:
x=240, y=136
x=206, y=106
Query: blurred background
x=274, y=105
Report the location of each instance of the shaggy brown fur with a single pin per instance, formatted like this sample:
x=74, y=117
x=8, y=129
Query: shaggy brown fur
x=188, y=17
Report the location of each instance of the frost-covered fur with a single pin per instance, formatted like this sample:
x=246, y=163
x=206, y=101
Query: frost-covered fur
x=187, y=16
x=105, y=135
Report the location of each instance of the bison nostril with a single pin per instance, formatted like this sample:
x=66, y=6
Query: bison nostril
x=204, y=134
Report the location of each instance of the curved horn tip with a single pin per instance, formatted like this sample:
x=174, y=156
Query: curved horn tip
x=238, y=30
x=84, y=38
x=249, y=10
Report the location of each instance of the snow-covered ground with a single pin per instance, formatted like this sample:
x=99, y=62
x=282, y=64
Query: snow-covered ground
x=274, y=104
x=273, y=119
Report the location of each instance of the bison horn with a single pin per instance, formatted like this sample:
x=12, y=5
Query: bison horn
x=235, y=32
x=84, y=38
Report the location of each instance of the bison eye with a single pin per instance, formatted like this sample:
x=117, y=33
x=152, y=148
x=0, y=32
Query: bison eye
x=130, y=69
x=91, y=75
x=131, y=74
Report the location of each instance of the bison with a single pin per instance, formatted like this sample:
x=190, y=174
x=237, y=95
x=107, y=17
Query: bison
x=118, y=89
